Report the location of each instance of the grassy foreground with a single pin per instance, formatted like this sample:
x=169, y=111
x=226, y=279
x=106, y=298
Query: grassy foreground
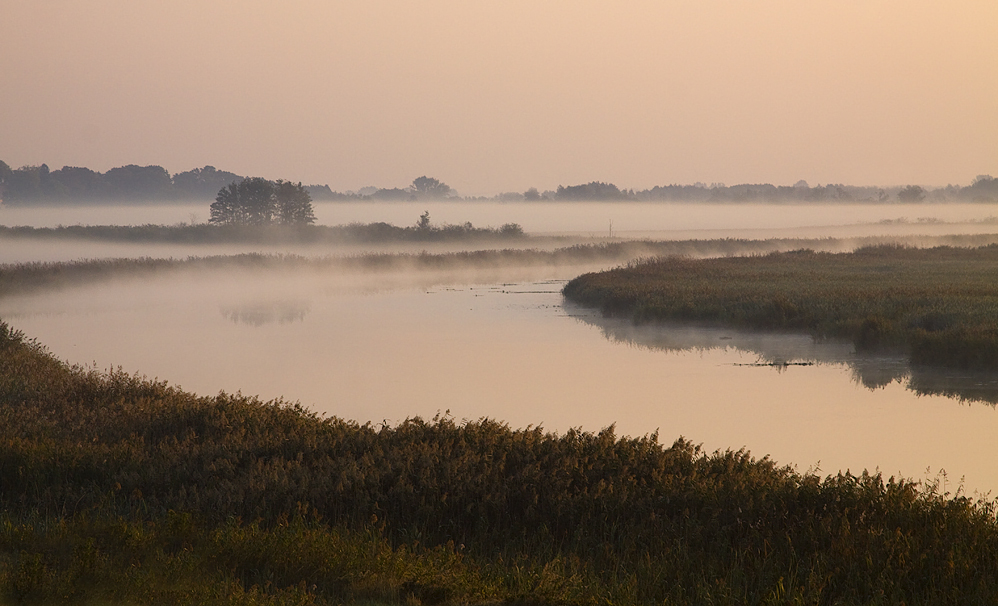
x=116, y=489
x=938, y=304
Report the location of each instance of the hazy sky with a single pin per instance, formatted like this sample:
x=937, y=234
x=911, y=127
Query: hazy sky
x=502, y=95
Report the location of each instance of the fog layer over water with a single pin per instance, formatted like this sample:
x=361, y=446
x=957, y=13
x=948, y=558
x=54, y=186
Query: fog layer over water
x=502, y=343
x=567, y=222
x=384, y=348
x=580, y=218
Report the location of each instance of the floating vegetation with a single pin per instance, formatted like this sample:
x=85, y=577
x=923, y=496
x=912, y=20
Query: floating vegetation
x=117, y=489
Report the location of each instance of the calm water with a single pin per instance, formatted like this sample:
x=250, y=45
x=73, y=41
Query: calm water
x=390, y=346
x=386, y=349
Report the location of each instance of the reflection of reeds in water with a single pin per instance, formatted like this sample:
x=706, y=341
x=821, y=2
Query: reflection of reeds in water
x=782, y=351
x=966, y=386
x=258, y=314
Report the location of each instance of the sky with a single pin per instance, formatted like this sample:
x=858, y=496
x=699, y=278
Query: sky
x=502, y=95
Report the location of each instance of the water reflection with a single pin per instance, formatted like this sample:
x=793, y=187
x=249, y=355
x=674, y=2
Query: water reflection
x=261, y=313
x=376, y=346
x=781, y=352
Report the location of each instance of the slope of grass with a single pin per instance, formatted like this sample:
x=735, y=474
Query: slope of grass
x=939, y=304
x=116, y=489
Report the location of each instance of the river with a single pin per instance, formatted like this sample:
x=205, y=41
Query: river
x=383, y=347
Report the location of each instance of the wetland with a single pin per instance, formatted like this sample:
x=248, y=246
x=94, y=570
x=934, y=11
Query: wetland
x=481, y=339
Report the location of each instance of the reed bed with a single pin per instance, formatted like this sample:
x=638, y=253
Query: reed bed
x=20, y=278
x=940, y=305
x=205, y=233
x=117, y=489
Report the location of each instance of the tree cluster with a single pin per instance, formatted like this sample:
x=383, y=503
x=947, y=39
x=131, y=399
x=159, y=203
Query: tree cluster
x=34, y=184
x=422, y=188
x=595, y=190
x=131, y=182
x=256, y=201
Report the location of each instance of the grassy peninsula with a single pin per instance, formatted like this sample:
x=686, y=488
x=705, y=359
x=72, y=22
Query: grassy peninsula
x=19, y=278
x=117, y=489
x=940, y=305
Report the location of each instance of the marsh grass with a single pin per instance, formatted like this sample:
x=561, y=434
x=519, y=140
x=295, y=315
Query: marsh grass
x=117, y=489
x=19, y=278
x=939, y=305
x=205, y=233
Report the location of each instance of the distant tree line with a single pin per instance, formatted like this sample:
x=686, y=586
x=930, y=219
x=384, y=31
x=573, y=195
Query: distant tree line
x=132, y=183
x=256, y=201
x=983, y=189
x=422, y=188
x=38, y=184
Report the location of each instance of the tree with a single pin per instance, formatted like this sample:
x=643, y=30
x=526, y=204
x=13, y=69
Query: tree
x=595, y=190
x=911, y=193
x=256, y=201
x=77, y=182
x=428, y=188
x=424, y=221
x=6, y=174
x=26, y=183
x=134, y=182
x=292, y=204
x=226, y=209
x=983, y=188
x=202, y=182
x=256, y=197
x=392, y=194
x=250, y=202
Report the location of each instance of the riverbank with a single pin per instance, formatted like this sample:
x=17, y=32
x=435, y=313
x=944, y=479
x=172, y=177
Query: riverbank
x=939, y=305
x=121, y=489
x=522, y=251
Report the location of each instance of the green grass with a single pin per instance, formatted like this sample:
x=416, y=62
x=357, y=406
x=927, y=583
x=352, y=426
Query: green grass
x=939, y=305
x=116, y=489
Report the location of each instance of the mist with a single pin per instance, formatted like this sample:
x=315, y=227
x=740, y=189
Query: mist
x=549, y=225
x=383, y=346
x=380, y=332
x=445, y=301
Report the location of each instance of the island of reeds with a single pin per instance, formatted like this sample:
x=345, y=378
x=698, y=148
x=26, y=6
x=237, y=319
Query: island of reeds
x=940, y=305
x=115, y=489
x=20, y=278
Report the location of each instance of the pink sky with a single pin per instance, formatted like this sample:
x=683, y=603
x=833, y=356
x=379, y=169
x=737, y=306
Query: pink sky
x=502, y=95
